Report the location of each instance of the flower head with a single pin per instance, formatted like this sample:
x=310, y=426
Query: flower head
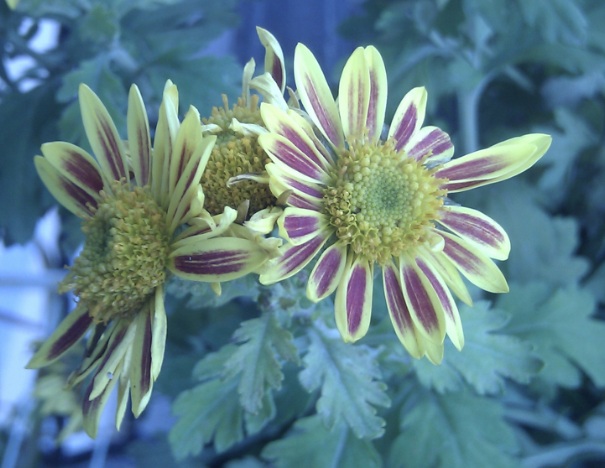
x=237, y=162
x=143, y=218
x=357, y=201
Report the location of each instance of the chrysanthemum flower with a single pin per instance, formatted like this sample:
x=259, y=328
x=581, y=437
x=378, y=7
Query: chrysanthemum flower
x=134, y=200
x=357, y=201
x=235, y=174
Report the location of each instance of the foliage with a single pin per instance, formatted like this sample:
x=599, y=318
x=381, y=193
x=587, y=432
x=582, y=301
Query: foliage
x=272, y=382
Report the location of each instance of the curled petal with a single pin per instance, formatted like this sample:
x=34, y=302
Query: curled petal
x=399, y=312
x=68, y=333
x=494, y=164
x=292, y=259
x=103, y=135
x=431, y=143
x=327, y=272
x=217, y=259
x=408, y=117
x=139, y=139
x=477, y=229
x=274, y=58
x=474, y=264
x=298, y=225
x=316, y=96
x=77, y=200
x=353, y=302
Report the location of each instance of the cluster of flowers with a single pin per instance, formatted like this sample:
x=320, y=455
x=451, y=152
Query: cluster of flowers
x=202, y=201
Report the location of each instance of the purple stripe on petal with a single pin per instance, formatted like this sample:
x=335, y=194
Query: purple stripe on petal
x=324, y=119
x=473, y=227
x=355, y=298
x=300, y=254
x=442, y=294
x=276, y=71
x=406, y=127
x=295, y=138
x=326, y=270
x=72, y=335
x=473, y=169
x=302, y=187
x=434, y=143
x=145, y=364
x=213, y=262
x=420, y=300
x=293, y=158
x=464, y=258
x=299, y=226
x=372, y=105
x=80, y=196
x=111, y=148
x=300, y=202
x=83, y=171
x=396, y=301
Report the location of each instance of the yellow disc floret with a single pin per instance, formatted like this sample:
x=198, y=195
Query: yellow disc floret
x=381, y=202
x=235, y=153
x=125, y=253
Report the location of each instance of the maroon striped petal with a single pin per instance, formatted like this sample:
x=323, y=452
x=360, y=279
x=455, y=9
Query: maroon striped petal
x=293, y=258
x=423, y=303
x=494, y=164
x=298, y=225
x=139, y=139
x=92, y=408
x=315, y=94
x=158, y=333
x=399, y=312
x=453, y=324
x=76, y=165
x=68, y=333
x=103, y=135
x=141, y=378
x=354, y=95
x=474, y=264
x=477, y=229
x=281, y=181
x=327, y=272
x=378, y=93
x=431, y=143
x=353, y=302
x=77, y=200
x=408, y=117
x=218, y=259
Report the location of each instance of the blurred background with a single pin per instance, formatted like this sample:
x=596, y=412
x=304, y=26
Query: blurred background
x=527, y=390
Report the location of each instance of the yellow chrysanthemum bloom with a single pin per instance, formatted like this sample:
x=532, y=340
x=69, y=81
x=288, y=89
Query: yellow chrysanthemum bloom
x=362, y=201
x=235, y=175
x=134, y=201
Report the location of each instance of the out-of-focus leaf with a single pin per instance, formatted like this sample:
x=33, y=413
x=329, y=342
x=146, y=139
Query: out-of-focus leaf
x=488, y=357
x=558, y=323
x=311, y=444
x=262, y=345
x=27, y=121
x=557, y=20
x=208, y=412
x=348, y=379
x=453, y=430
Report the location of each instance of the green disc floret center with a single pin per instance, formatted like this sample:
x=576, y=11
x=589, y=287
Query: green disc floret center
x=124, y=257
x=381, y=202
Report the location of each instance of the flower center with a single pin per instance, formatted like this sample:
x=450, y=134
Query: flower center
x=124, y=257
x=234, y=154
x=381, y=202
